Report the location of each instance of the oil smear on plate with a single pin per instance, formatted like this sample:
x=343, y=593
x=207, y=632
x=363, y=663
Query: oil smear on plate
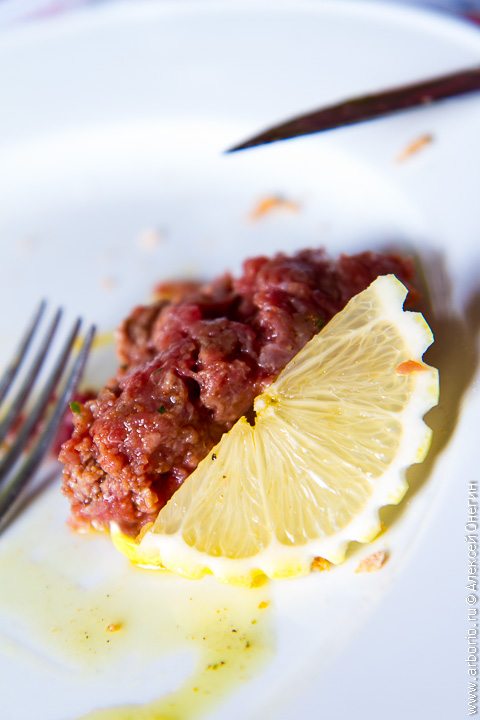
x=149, y=645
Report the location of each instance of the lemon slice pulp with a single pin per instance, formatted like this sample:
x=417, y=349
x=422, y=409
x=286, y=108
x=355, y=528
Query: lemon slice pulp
x=332, y=440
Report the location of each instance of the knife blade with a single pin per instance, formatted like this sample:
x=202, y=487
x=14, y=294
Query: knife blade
x=368, y=107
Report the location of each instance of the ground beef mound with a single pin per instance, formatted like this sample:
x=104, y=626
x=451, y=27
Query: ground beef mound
x=191, y=365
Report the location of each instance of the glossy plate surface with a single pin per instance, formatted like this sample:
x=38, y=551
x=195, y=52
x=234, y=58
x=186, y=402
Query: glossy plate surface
x=112, y=177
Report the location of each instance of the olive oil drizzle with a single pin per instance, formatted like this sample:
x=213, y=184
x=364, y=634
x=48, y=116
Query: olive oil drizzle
x=73, y=603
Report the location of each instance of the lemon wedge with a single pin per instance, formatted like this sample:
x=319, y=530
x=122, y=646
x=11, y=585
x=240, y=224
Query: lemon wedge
x=332, y=439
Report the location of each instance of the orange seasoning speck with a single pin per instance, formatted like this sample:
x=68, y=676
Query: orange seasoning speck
x=415, y=146
x=410, y=366
x=270, y=203
x=175, y=290
x=320, y=564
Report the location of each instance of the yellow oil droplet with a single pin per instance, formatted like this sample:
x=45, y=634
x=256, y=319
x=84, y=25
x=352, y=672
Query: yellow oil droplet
x=114, y=627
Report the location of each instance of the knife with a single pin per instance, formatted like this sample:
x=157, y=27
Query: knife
x=368, y=107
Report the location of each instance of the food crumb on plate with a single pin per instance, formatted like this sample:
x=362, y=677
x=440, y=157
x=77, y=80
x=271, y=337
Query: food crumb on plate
x=415, y=146
x=271, y=203
x=150, y=238
x=373, y=562
x=108, y=282
x=320, y=564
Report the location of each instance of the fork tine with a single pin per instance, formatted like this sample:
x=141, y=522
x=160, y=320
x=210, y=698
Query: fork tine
x=39, y=408
x=11, y=493
x=11, y=370
x=32, y=373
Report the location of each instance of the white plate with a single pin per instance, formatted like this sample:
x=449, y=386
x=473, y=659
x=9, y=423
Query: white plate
x=112, y=123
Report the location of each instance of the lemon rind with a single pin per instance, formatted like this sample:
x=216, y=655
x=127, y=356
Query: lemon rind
x=277, y=560
x=281, y=561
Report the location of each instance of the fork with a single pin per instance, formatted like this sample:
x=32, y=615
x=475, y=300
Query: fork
x=28, y=448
